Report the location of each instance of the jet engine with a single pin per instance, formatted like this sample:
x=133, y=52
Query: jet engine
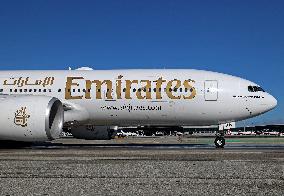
x=92, y=132
x=30, y=118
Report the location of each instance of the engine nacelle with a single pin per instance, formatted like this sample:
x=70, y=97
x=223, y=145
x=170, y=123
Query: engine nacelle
x=30, y=118
x=91, y=132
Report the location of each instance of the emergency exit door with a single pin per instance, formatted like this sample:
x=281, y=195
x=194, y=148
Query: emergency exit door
x=211, y=90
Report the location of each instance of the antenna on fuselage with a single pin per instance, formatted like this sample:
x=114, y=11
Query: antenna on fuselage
x=84, y=69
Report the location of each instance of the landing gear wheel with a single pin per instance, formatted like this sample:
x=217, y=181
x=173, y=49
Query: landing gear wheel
x=219, y=142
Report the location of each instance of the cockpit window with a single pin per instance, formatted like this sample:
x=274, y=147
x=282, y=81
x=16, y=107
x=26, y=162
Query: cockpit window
x=250, y=89
x=255, y=89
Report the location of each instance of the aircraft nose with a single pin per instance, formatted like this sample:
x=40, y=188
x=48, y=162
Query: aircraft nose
x=271, y=102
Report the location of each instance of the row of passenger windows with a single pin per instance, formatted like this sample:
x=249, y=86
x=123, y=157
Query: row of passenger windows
x=255, y=89
x=89, y=90
x=250, y=89
x=139, y=90
x=28, y=90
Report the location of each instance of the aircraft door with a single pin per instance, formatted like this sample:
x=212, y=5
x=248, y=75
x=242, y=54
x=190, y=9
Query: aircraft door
x=211, y=90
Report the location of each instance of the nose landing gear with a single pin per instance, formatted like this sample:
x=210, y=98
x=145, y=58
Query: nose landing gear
x=220, y=140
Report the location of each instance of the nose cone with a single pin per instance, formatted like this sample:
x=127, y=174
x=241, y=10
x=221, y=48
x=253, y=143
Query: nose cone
x=272, y=102
x=269, y=103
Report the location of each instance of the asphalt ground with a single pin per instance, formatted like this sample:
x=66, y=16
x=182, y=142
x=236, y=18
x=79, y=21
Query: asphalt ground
x=144, y=166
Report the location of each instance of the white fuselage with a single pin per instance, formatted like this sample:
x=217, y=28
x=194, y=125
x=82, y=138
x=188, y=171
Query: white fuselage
x=167, y=97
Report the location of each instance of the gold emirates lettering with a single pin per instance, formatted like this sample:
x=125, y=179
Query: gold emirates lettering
x=142, y=88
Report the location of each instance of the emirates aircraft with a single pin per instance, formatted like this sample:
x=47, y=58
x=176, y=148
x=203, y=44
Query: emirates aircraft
x=38, y=105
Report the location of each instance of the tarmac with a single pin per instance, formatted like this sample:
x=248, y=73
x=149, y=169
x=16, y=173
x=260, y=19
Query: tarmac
x=145, y=166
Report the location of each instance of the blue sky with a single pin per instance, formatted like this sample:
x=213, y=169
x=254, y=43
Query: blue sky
x=242, y=38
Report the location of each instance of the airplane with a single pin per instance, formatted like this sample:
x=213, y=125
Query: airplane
x=38, y=105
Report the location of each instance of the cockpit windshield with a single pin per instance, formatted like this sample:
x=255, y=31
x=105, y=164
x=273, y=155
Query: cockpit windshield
x=255, y=89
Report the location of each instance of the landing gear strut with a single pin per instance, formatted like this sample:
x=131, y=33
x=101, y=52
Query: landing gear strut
x=220, y=140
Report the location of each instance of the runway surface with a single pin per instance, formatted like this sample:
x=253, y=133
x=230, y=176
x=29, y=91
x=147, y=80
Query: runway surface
x=144, y=166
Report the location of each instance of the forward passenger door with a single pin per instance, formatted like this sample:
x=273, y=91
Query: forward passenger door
x=211, y=90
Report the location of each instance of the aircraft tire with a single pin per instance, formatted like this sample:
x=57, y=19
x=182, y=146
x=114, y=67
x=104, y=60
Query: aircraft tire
x=220, y=142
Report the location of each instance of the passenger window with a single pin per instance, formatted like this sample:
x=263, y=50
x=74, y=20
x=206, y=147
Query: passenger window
x=30, y=90
x=11, y=90
x=15, y=90
x=154, y=89
x=35, y=90
x=1, y=90
x=134, y=90
x=25, y=90
x=44, y=90
x=49, y=90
